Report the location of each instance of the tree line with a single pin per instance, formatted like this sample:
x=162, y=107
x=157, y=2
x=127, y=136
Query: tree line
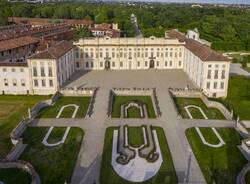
x=227, y=28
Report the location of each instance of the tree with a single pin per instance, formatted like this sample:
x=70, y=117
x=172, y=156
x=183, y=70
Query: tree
x=5, y=12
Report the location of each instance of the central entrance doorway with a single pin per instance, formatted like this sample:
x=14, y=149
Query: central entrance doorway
x=151, y=64
x=107, y=65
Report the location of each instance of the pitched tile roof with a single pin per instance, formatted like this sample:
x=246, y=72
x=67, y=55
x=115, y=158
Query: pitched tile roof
x=55, y=51
x=204, y=52
x=17, y=42
x=13, y=64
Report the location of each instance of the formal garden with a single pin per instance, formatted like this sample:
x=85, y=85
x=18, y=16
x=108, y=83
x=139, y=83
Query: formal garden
x=220, y=164
x=133, y=107
x=59, y=160
x=12, y=109
x=113, y=162
x=65, y=107
x=193, y=105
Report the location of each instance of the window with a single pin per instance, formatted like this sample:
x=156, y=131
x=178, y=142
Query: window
x=222, y=85
x=209, y=74
x=170, y=63
x=43, y=83
x=21, y=70
x=86, y=64
x=34, y=72
x=113, y=64
x=50, y=72
x=51, y=83
x=215, y=85
x=92, y=64
x=223, y=74
x=14, y=82
x=6, y=82
x=36, y=83
x=101, y=64
x=166, y=63
x=121, y=64
x=180, y=63
x=157, y=63
x=208, y=85
x=13, y=69
x=23, y=82
x=138, y=63
x=77, y=65
x=4, y=69
x=216, y=74
x=146, y=63
x=42, y=72
x=180, y=54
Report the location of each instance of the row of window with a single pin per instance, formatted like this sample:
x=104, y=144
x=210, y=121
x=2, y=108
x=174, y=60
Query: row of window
x=91, y=64
x=216, y=74
x=130, y=54
x=125, y=49
x=215, y=85
x=42, y=72
x=14, y=82
x=13, y=69
x=43, y=83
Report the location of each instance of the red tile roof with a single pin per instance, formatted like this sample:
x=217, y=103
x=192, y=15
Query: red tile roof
x=55, y=51
x=204, y=52
x=14, y=64
x=17, y=42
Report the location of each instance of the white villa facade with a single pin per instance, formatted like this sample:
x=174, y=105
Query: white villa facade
x=46, y=72
x=208, y=69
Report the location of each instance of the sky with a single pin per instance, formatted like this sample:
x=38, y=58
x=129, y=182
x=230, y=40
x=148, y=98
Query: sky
x=204, y=1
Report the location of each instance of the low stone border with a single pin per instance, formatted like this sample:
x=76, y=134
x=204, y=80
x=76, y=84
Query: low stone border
x=221, y=141
x=142, y=107
x=135, y=92
x=24, y=165
x=242, y=175
x=196, y=107
x=45, y=139
x=132, y=171
x=197, y=93
x=65, y=106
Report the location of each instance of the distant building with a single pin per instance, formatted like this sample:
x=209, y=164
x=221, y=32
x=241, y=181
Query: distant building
x=104, y=29
x=196, y=6
x=195, y=35
x=17, y=49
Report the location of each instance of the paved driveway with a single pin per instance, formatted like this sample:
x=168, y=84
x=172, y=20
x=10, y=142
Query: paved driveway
x=235, y=68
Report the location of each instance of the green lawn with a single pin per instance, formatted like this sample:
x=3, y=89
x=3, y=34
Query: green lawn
x=120, y=100
x=12, y=109
x=13, y=175
x=135, y=136
x=53, y=164
x=211, y=113
x=247, y=69
x=166, y=174
x=238, y=97
x=56, y=134
x=134, y=112
x=218, y=164
x=51, y=112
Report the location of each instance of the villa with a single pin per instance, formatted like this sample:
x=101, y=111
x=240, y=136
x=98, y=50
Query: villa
x=47, y=72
